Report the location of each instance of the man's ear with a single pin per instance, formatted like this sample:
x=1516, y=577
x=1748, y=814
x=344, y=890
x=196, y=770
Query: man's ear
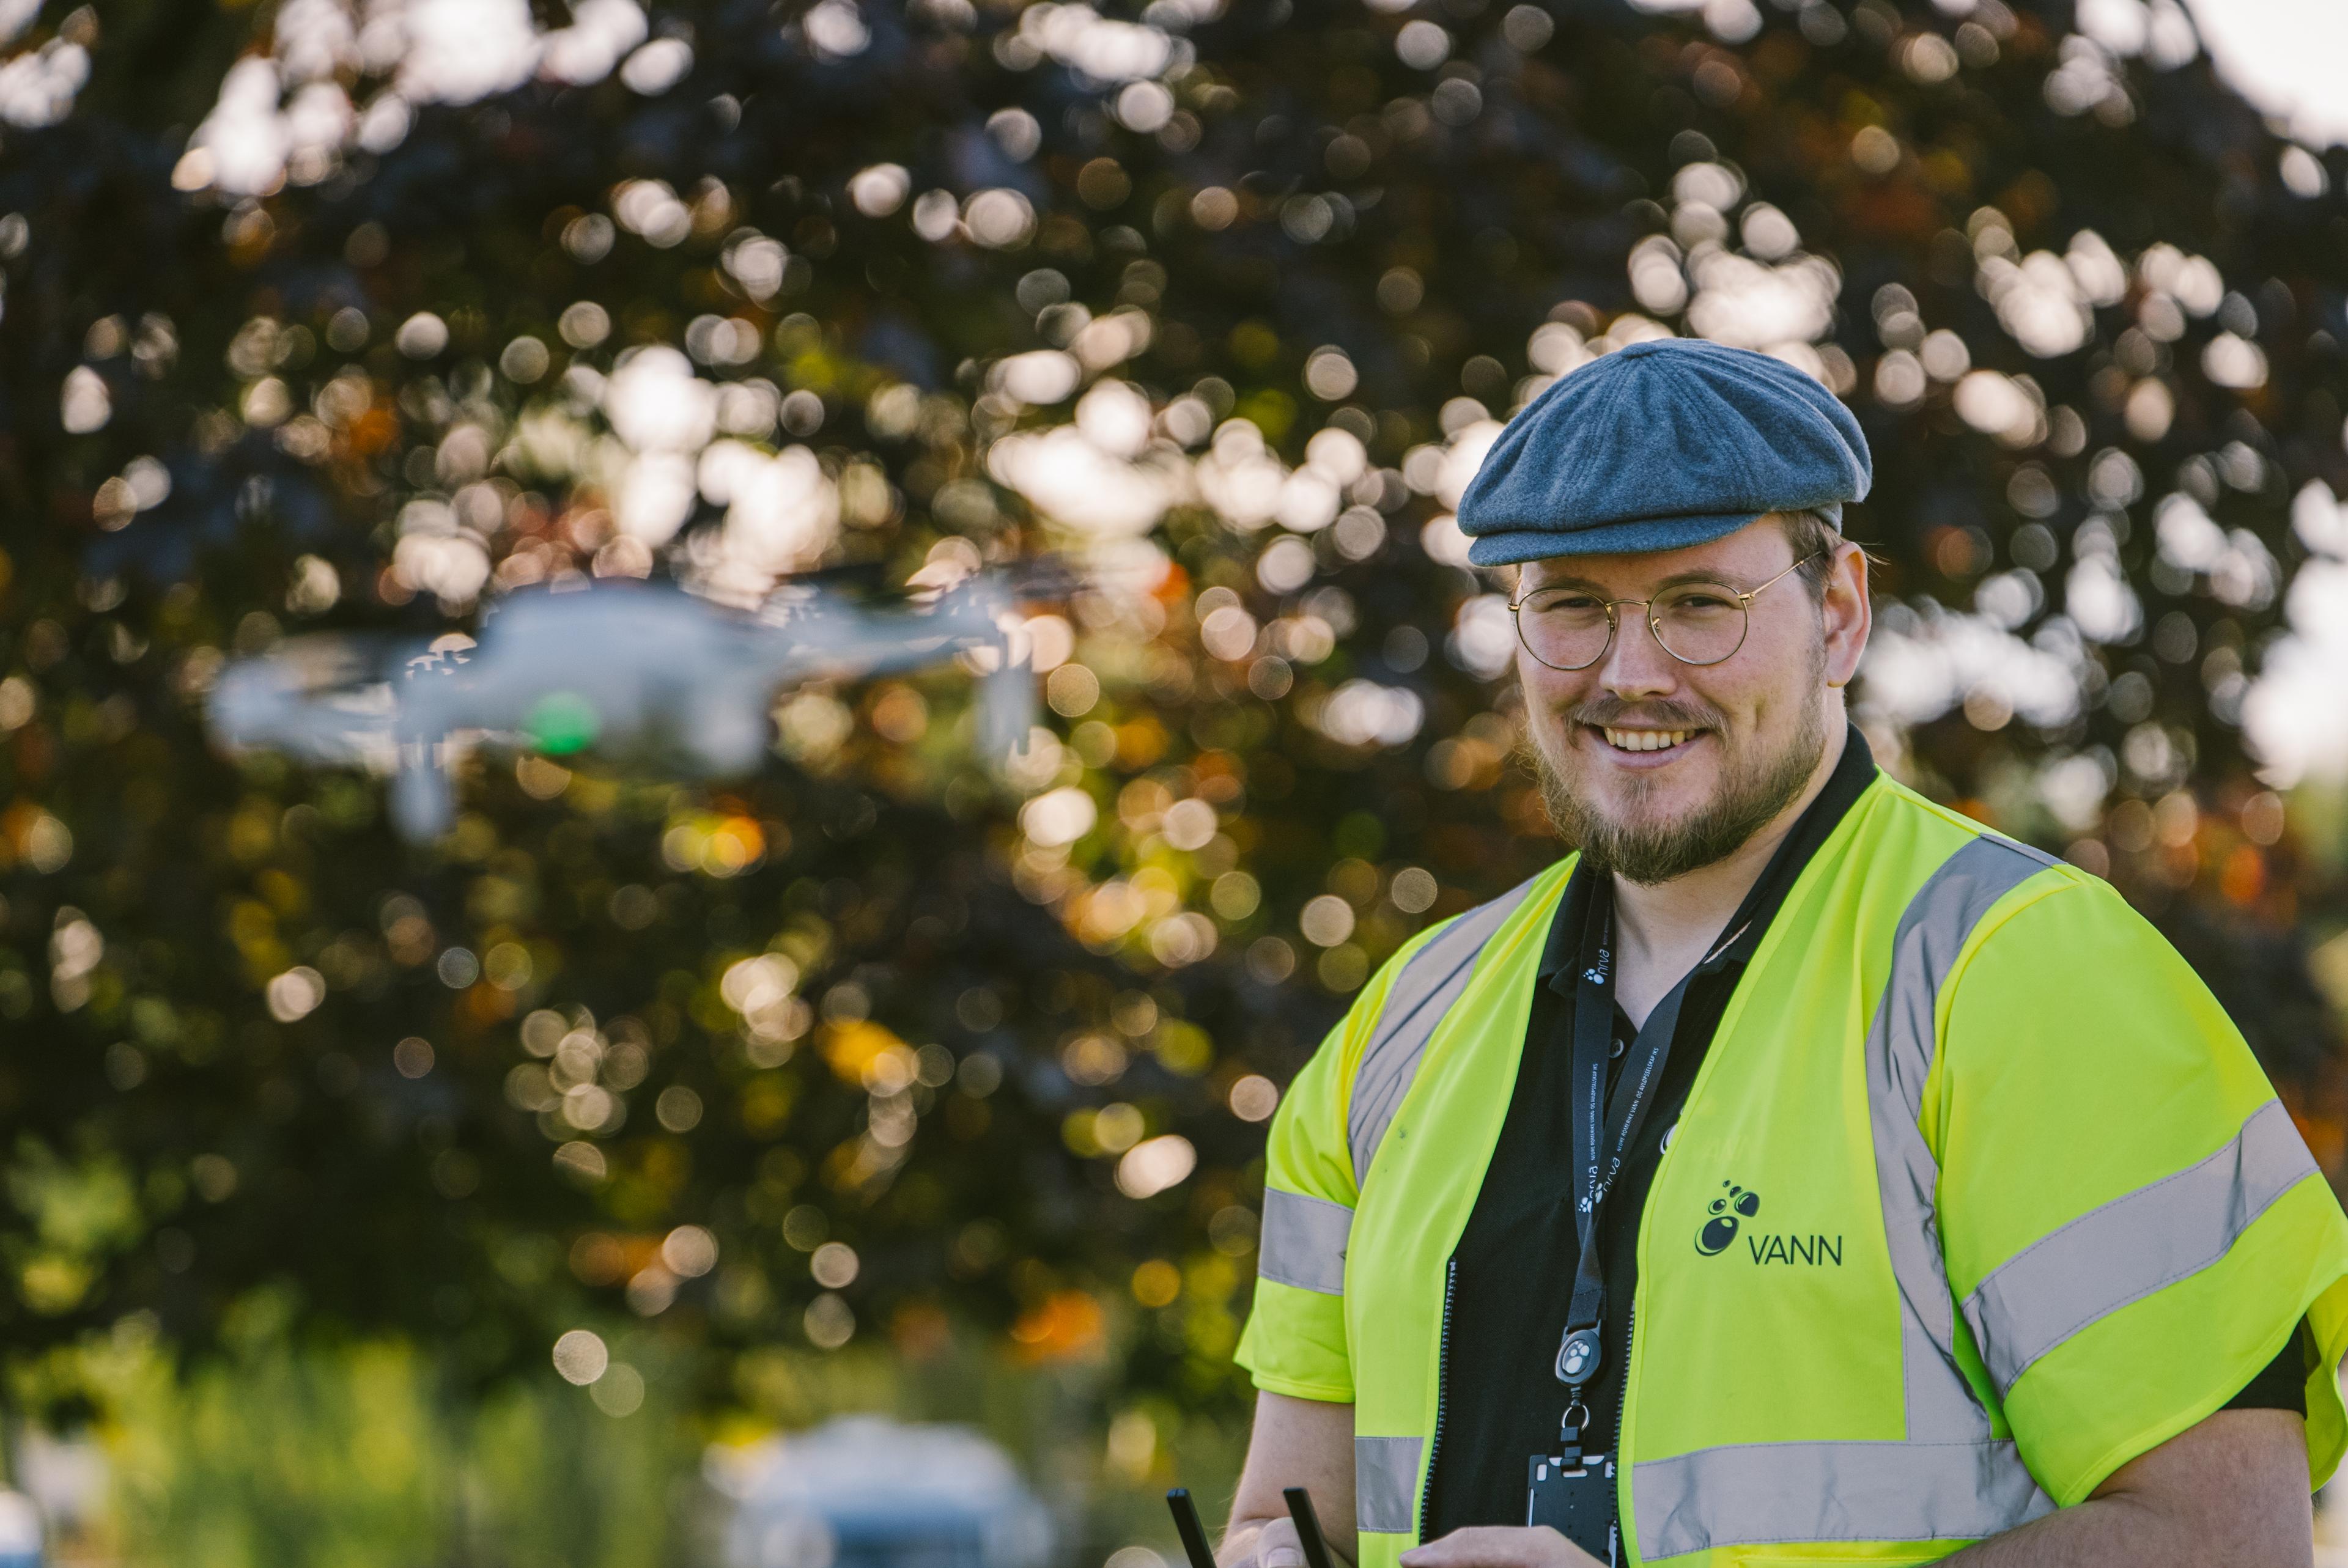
x=1847, y=611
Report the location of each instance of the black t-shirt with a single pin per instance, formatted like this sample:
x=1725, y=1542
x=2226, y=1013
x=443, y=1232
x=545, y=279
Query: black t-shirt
x=1516, y=1260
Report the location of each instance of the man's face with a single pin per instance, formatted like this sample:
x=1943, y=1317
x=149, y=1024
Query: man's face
x=1655, y=767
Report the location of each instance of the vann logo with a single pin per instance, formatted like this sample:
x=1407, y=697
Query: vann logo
x=1725, y=1216
x=1732, y=1208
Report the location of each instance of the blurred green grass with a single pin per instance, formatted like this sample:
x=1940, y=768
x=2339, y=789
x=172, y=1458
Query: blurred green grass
x=359, y=1457
x=366, y=1455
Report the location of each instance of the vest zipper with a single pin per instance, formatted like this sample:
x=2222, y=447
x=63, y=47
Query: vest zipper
x=1442, y=1375
x=1621, y=1406
x=1630, y=1337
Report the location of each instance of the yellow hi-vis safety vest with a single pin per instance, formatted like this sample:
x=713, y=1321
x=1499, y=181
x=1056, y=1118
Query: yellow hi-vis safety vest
x=2027, y=1208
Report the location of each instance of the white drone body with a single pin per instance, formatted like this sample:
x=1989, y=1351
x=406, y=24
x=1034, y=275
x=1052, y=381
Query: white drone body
x=641, y=664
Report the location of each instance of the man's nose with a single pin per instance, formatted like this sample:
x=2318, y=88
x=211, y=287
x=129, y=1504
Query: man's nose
x=1636, y=665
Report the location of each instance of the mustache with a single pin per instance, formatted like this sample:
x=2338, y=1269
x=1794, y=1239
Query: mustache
x=1604, y=711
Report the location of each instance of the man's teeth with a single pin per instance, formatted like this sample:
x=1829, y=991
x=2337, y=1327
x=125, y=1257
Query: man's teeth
x=1646, y=739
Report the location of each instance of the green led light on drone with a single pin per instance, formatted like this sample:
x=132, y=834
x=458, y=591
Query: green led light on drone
x=562, y=723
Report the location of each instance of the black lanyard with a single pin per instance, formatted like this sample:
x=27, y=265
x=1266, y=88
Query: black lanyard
x=1604, y=1130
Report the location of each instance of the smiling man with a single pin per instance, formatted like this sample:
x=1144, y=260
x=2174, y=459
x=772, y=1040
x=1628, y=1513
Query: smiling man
x=1797, y=1173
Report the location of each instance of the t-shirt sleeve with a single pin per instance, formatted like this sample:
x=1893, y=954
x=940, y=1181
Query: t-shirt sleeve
x=1295, y=1339
x=2282, y=1387
x=2133, y=1225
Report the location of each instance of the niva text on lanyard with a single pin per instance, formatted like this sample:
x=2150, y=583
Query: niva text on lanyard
x=1571, y=1490
x=1604, y=1130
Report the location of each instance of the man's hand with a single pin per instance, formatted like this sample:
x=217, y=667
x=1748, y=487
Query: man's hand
x=1500, y=1546
x=1273, y=1544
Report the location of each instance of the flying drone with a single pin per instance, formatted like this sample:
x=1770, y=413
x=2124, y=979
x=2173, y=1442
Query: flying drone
x=617, y=664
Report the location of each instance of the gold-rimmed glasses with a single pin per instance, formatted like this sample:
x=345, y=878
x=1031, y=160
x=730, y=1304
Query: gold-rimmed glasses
x=1699, y=623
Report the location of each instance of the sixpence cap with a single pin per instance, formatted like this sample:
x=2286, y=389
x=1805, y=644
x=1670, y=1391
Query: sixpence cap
x=1658, y=445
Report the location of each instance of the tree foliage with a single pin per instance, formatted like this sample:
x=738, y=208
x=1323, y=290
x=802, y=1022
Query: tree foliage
x=1216, y=304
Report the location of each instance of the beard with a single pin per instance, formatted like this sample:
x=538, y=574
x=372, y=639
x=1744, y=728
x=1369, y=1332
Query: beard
x=1755, y=787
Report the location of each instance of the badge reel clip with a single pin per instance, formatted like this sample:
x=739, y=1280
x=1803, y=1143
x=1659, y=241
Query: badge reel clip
x=1572, y=1491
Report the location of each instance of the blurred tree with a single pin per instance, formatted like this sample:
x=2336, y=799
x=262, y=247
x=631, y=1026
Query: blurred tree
x=323, y=320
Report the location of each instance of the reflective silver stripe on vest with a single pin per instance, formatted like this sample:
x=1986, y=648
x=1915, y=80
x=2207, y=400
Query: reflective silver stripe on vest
x=1386, y=1482
x=1951, y=1479
x=1304, y=1242
x=1831, y=1491
x=1900, y=1046
x=1429, y=983
x=2134, y=1245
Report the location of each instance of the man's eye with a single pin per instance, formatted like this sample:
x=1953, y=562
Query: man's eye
x=1570, y=603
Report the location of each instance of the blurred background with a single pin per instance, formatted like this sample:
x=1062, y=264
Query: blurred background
x=546, y=1019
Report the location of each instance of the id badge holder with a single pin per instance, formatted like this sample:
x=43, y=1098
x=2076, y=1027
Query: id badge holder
x=1576, y=1500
